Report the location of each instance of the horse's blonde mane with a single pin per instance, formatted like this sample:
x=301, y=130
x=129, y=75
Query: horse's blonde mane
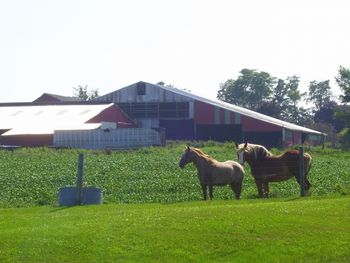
x=204, y=155
x=254, y=149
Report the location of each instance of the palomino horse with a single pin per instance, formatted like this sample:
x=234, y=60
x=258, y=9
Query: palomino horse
x=266, y=167
x=212, y=172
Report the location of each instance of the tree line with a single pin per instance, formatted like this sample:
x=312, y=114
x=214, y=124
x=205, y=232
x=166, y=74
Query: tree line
x=318, y=108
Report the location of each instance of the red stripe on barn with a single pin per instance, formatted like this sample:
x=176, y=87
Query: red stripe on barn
x=203, y=113
x=252, y=125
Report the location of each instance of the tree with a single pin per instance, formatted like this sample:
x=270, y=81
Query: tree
x=255, y=90
x=327, y=114
x=343, y=81
x=304, y=117
x=344, y=138
x=270, y=108
x=343, y=114
x=285, y=99
x=84, y=94
x=319, y=93
x=162, y=83
x=280, y=94
x=233, y=92
x=294, y=113
x=326, y=128
x=251, y=89
x=293, y=93
x=279, y=103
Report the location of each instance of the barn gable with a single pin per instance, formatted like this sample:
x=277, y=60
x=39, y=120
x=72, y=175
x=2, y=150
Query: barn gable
x=143, y=92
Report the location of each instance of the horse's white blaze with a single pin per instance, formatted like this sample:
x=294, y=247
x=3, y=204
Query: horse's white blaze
x=240, y=157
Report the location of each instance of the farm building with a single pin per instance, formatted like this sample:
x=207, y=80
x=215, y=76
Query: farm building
x=186, y=116
x=53, y=98
x=81, y=125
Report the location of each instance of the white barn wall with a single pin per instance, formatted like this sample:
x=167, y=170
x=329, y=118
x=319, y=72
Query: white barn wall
x=111, y=139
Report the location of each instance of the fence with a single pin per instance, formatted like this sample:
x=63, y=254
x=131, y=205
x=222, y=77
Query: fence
x=301, y=171
x=120, y=138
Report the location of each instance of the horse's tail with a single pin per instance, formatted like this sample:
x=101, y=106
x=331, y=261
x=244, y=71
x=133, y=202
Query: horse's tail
x=309, y=158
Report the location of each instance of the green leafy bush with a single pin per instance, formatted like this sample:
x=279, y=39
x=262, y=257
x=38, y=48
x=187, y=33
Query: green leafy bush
x=344, y=138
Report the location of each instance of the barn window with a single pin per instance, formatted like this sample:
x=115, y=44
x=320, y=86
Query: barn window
x=174, y=110
x=140, y=110
x=156, y=110
x=141, y=88
x=152, y=110
x=182, y=109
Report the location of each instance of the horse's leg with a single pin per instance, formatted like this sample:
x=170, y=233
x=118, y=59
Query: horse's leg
x=258, y=183
x=234, y=189
x=308, y=164
x=237, y=188
x=204, y=190
x=307, y=182
x=307, y=167
x=211, y=192
x=307, y=186
x=266, y=189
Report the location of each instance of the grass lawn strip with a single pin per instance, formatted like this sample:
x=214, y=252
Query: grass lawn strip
x=279, y=230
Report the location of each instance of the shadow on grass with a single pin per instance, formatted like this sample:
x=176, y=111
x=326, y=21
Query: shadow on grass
x=60, y=208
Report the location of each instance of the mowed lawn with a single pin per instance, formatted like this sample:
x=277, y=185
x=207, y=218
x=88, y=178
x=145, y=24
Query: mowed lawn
x=274, y=230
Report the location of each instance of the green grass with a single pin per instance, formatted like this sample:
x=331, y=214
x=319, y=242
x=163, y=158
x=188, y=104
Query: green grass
x=33, y=176
x=272, y=230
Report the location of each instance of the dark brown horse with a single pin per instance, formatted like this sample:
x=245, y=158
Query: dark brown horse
x=212, y=172
x=266, y=167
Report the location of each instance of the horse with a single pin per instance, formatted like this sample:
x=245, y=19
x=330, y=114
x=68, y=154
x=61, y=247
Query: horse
x=266, y=167
x=212, y=172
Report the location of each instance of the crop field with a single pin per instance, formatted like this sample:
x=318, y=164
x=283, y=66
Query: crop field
x=33, y=176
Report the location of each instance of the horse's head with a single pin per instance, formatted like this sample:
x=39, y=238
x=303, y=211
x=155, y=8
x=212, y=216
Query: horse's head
x=186, y=157
x=251, y=151
x=242, y=151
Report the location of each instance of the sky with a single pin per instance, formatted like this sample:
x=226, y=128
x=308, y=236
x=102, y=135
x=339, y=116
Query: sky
x=52, y=46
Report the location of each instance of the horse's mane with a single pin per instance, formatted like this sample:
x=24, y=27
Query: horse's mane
x=204, y=155
x=259, y=151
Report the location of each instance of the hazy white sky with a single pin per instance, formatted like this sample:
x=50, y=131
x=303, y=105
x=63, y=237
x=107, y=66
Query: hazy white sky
x=52, y=46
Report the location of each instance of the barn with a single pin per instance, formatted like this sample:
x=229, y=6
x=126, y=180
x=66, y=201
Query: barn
x=48, y=98
x=28, y=124
x=186, y=116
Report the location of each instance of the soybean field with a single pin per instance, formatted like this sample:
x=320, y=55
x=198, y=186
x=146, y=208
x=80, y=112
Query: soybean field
x=33, y=176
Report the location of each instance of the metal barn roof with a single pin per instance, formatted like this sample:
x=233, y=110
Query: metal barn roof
x=243, y=111
x=46, y=119
x=48, y=97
